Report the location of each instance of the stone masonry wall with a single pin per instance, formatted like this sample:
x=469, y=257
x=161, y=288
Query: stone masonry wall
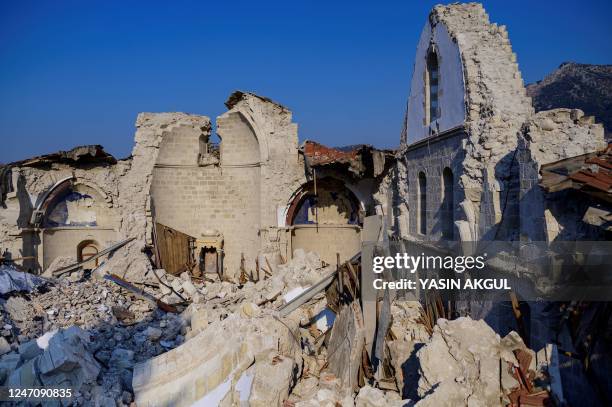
x=29, y=184
x=282, y=168
x=431, y=159
x=239, y=196
x=496, y=108
x=550, y=136
x=135, y=182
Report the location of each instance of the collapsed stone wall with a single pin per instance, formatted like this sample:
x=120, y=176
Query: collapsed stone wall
x=553, y=135
x=239, y=194
x=550, y=136
x=176, y=177
x=282, y=168
x=496, y=100
x=124, y=187
x=29, y=184
x=135, y=185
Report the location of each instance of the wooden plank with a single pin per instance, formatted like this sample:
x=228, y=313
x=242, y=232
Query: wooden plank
x=307, y=295
x=174, y=249
x=141, y=293
x=346, y=346
x=370, y=235
x=77, y=266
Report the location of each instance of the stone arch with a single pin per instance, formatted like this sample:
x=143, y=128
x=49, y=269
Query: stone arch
x=87, y=249
x=328, y=222
x=75, y=204
x=240, y=163
x=181, y=144
x=304, y=199
x=240, y=144
x=264, y=152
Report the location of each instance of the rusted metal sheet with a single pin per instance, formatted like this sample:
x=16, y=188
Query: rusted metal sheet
x=361, y=159
x=589, y=173
x=174, y=249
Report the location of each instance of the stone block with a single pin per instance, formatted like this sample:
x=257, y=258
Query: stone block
x=4, y=346
x=273, y=377
x=29, y=350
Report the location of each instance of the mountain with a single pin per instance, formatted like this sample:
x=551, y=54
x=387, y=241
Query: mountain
x=577, y=86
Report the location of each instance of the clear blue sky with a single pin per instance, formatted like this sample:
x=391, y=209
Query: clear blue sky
x=78, y=72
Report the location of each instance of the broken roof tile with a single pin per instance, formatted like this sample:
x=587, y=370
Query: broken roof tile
x=360, y=159
x=589, y=173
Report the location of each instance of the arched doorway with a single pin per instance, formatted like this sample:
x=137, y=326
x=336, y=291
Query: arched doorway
x=85, y=251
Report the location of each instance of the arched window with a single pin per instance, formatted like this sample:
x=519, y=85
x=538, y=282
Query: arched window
x=448, y=221
x=431, y=87
x=422, y=204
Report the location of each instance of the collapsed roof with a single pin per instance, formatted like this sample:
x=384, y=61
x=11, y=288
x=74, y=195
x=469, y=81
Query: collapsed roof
x=360, y=160
x=81, y=154
x=588, y=173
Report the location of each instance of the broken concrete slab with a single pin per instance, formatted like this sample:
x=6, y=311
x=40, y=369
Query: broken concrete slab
x=346, y=344
x=461, y=359
x=8, y=363
x=29, y=350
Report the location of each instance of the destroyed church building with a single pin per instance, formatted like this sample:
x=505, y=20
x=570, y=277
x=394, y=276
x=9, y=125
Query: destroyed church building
x=473, y=147
x=260, y=242
x=217, y=207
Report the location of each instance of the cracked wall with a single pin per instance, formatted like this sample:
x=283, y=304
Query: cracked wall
x=238, y=195
x=67, y=223
x=550, y=136
x=484, y=112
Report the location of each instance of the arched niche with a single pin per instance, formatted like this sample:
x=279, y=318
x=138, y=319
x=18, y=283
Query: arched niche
x=329, y=202
x=76, y=205
x=325, y=219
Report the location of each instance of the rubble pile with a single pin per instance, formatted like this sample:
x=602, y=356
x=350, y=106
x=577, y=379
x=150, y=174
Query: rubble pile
x=116, y=329
x=13, y=280
x=230, y=345
x=465, y=360
x=218, y=299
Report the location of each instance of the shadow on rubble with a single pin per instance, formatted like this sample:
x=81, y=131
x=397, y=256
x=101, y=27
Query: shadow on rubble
x=93, y=352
